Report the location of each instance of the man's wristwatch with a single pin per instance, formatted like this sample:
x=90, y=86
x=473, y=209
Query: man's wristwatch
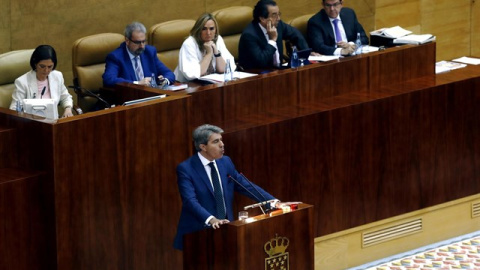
x=218, y=54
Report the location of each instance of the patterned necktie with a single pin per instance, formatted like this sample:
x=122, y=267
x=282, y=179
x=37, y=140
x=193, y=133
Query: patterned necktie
x=138, y=69
x=338, y=35
x=217, y=192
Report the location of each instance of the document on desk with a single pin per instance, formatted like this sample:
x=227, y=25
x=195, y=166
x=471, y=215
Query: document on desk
x=219, y=78
x=392, y=32
x=467, y=60
x=323, y=58
x=414, y=39
x=444, y=66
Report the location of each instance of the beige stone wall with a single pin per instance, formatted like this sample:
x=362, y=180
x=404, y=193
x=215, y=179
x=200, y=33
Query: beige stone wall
x=26, y=23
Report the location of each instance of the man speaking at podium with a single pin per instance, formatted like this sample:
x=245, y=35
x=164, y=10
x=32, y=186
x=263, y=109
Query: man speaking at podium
x=207, y=181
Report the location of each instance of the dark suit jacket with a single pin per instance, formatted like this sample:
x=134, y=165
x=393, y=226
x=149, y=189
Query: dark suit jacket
x=198, y=202
x=320, y=32
x=254, y=50
x=119, y=68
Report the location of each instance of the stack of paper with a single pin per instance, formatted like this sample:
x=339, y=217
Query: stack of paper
x=468, y=60
x=444, y=66
x=392, y=32
x=414, y=39
x=218, y=78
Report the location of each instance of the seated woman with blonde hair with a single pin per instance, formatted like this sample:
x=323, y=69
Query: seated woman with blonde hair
x=203, y=52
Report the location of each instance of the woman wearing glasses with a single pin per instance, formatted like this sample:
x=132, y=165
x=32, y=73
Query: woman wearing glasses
x=43, y=81
x=203, y=52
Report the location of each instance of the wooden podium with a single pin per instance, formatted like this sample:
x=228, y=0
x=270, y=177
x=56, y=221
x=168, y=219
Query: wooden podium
x=287, y=237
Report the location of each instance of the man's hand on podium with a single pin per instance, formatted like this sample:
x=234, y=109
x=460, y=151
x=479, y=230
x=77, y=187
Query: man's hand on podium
x=215, y=223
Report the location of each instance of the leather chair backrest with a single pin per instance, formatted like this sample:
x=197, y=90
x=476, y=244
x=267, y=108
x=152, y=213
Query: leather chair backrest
x=88, y=58
x=12, y=65
x=232, y=21
x=88, y=63
x=301, y=23
x=168, y=37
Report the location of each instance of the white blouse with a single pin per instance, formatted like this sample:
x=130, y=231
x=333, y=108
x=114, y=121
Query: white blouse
x=190, y=56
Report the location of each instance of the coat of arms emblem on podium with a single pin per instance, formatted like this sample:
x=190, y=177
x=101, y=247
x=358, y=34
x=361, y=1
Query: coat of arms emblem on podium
x=278, y=258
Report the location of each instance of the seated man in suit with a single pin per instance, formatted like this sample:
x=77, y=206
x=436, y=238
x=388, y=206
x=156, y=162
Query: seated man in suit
x=134, y=61
x=206, y=185
x=333, y=30
x=260, y=44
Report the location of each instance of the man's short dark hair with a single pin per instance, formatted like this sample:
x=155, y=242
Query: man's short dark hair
x=261, y=9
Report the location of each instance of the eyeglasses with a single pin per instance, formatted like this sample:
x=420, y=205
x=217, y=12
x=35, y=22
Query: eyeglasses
x=41, y=66
x=276, y=15
x=333, y=5
x=138, y=42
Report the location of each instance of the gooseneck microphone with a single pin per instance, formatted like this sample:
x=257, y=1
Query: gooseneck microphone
x=85, y=92
x=43, y=92
x=251, y=184
x=255, y=205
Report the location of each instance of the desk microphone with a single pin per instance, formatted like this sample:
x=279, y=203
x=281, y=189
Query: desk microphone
x=242, y=186
x=251, y=184
x=85, y=92
x=43, y=92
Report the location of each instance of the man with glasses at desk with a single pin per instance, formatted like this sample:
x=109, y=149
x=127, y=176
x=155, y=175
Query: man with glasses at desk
x=135, y=62
x=261, y=43
x=333, y=30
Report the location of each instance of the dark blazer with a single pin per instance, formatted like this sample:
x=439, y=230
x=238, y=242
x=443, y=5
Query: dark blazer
x=198, y=202
x=119, y=68
x=320, y=32
x=254, y=50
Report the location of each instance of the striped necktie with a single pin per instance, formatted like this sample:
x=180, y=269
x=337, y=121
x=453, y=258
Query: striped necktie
x=138, y=68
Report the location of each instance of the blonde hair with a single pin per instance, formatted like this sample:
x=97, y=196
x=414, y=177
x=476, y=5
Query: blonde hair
x=197, y=29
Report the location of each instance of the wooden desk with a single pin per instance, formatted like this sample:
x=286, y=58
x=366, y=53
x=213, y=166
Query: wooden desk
x=359, y=152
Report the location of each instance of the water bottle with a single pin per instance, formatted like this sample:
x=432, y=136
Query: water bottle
x=358, y=44
x=228, y=75
x=19, y=106
x=294, y=59
x=153, y=82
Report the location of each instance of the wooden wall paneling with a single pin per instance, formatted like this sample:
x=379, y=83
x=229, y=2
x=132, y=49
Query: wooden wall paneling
x=369, y=160
x=474, y=29
x=407, y=14
x=263, y=93
x=120, y=207
x=317, y=82
x=27, y=237
x=450, y=22
x=207, y=105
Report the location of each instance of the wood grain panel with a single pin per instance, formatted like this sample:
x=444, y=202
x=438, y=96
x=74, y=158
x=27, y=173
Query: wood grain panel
x=119, y=210
x=267, y=92
x=27, y=221
x=450, y=21
x=371, y=159
x=241, y=246
x=474, y=29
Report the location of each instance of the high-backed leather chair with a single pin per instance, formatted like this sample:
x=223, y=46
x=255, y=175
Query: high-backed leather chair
x=301, y=23
x=88, y=63
x=232, y=21
x=168, y=38
x=12, y=65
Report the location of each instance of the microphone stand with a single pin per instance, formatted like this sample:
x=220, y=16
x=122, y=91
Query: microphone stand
x=85, y=92
x=259, y=204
